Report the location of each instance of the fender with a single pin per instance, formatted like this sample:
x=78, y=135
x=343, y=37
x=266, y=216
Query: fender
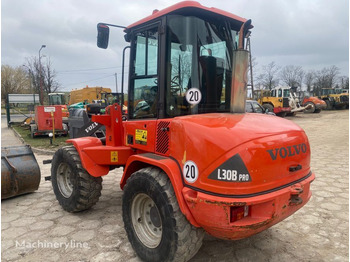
x=89, y=164
x=170, y=167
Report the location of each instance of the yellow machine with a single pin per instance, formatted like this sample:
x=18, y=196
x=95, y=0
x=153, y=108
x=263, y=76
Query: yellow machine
x=334, y=98
x=87, y=94
x=274, y=101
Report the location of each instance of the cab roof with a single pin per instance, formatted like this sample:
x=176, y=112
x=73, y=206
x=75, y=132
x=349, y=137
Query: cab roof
x=187, y=7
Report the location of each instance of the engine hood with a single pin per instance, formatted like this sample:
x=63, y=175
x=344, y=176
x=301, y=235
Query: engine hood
x=262, y=146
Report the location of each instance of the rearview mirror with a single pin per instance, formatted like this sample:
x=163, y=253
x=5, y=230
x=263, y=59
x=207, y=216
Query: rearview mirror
x=102, y=35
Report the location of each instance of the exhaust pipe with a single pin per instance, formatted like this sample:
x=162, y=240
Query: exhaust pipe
x=239, y=73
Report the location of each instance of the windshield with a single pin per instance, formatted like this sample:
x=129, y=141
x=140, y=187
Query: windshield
x=199, y=66
x=286, y=92
x=327, y=92
x=56, y=99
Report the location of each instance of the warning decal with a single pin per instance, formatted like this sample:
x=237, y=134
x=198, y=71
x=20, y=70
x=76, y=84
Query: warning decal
x=114, y=156
x=141, y=136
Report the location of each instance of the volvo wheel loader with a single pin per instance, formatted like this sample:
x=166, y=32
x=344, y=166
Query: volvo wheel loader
x=192, y=161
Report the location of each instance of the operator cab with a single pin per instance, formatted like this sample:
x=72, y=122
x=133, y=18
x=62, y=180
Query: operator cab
x=181, y=61
x=57, y=99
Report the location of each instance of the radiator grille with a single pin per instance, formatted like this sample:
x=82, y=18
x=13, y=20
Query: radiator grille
x=285, y=102
x=162, y=142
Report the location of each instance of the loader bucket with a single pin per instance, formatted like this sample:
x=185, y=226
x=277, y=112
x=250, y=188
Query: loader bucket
x=20, y=172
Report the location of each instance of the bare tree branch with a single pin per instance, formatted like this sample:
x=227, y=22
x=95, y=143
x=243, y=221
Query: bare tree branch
x=268, y=79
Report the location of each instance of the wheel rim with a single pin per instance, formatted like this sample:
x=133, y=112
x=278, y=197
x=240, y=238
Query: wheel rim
x=146, y=220
x=65, y=180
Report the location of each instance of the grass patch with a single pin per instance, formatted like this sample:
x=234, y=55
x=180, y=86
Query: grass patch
x=40, y=141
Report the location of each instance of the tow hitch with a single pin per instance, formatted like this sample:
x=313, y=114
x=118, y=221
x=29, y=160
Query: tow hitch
x=295, y=200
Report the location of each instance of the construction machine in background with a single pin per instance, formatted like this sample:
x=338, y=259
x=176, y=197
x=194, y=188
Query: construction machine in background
x=59, y=99
x=333, y=98
x=282, y=101
x=344, y=96
x=87, y=94
x=273, y=101
x=191, y=161
x=313, y=104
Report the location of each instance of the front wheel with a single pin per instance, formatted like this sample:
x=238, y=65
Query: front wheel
x=74, y=188
x=154, y=223
x=311, y=108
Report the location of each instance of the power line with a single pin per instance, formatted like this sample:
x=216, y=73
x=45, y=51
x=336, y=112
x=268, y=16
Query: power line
x=90, y=80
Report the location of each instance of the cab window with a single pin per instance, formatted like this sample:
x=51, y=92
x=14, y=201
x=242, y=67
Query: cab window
x=144, y=81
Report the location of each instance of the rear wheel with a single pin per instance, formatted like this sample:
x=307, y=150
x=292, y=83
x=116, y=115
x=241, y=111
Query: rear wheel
x=74, y=188
x=154, y=223
x=329, y=105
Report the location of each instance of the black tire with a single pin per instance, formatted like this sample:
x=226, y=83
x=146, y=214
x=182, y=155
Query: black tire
x=282, y=114
x=329, y=105
x=311, y=109
x=171, y=237
x=268, y=107
x=317, y=111
x=74, y=188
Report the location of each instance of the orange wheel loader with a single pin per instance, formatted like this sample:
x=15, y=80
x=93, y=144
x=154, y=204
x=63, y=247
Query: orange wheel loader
x=193, y=160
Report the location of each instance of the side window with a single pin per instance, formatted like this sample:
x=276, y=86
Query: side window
x=144, y=81
x=248, y=108
x=279, y=92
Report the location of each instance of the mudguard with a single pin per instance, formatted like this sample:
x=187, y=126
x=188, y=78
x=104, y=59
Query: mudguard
x=89, y=164
x=170, y=167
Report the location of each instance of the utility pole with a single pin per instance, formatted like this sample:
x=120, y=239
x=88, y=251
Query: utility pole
x=116, y=82
x=41, y=78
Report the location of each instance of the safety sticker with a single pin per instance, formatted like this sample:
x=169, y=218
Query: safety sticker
x=49, y=109
x=193, y=96
x=190, y=171
x=114, y=156
x=141, y=136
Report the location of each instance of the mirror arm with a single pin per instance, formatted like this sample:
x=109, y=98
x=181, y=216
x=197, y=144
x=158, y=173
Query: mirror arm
x=119, y=26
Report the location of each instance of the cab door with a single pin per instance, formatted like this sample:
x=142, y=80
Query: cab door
x=143, y=93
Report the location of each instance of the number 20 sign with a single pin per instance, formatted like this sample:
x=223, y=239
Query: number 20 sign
x=193, y=96
x=190, y=171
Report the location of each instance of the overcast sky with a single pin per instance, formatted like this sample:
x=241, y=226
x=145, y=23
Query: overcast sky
x=308, y=33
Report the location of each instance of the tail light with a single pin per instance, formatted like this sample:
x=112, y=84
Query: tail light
x=237, y=213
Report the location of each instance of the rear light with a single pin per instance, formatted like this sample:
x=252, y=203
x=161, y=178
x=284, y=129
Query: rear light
x=237, y=213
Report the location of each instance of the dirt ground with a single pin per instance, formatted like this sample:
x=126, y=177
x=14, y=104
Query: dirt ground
x=35, y=228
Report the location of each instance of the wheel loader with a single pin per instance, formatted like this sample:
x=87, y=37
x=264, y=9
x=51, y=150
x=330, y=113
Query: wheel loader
x=334, y=99
x=273, y=101
x=192, y=162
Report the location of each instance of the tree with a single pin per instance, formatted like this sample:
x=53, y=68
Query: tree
x=14, y=81
x=344, y=82
x=42, y=76
x=326, y=78
x=268, y=79
x=310, y=80
x=292, y=75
